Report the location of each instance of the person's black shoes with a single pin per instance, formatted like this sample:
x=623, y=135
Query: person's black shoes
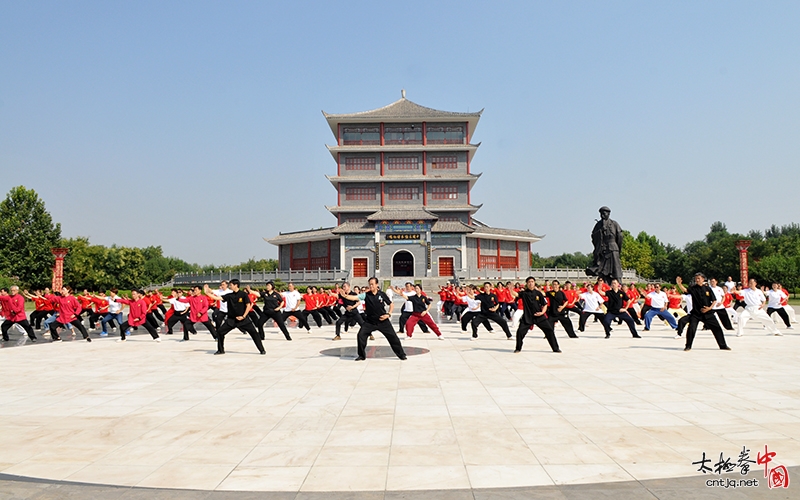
x=558, y=351
x=403, y=358
x=88, y=339
x=687, y=349
x=360, y=358
x=474, y=335
x=726, y=348
x=608, y=335
x=517, y=351
x=637, y=336
x=33, y=339
x=219, y=352
x=263, y=352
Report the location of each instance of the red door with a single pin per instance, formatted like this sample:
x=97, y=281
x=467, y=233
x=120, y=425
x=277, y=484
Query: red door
x=446, y=266
x=359, y=268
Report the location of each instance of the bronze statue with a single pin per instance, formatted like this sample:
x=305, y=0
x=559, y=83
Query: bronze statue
x=607, y=241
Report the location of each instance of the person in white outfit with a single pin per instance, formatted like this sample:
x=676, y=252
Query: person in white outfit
x=755, y=301
x=775, y=298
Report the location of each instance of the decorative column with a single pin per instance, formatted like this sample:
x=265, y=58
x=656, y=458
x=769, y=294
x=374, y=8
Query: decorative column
x=377, y=254
x=58, y=269
x=742, y=246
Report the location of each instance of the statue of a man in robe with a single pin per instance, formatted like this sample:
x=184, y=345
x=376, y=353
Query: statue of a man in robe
x=607, y=241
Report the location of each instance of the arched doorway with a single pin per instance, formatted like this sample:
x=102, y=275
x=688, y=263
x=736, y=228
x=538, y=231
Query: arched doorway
x=403, y=264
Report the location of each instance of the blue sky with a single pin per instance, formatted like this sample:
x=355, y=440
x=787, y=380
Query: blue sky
x=197, y=126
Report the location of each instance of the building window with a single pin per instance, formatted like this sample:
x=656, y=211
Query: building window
x=361, y=136
x=356, y=219
x=438, y=162
x=359, y=164
x=360, y=193
x=410, y=134
x=445, y=135
x=403, y=163
x=403, y=193
x=450, y=219
x=444, y=193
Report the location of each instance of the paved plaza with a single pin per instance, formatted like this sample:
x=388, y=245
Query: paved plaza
x=467, y=417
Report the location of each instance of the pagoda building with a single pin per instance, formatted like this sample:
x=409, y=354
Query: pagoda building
x=403, y=205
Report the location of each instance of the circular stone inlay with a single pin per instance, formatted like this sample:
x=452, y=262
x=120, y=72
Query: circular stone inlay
x=378, y=351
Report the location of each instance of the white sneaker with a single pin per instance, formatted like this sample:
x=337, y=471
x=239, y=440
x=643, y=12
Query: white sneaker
x=677, y=337
x=440, y=337
x=778, y=334
x=738, y=334
x=157, y=339
x=121, y=340
x=790, y=327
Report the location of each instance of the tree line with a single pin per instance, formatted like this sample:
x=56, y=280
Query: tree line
x=28, y=233
x=774, y=255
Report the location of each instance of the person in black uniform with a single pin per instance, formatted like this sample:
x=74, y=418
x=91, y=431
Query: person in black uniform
x=703, y=300
x=534, y=306
x=615, y=309
x=375, y=302
x=350, y=303
x=558, y=312
x=273, y=303
x=489, y=307
x=239, y=307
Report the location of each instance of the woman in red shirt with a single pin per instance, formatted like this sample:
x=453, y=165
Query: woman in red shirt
x=137, y=315
x=69, y=313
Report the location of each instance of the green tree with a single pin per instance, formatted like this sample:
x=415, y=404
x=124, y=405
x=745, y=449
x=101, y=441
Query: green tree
x=636, y=255
x=781, y=268
x=27, y=234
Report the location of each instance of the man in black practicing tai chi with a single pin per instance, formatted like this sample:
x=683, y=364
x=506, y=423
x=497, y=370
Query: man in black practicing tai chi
x=534, y=306
x=239, y=307
x=375, y=302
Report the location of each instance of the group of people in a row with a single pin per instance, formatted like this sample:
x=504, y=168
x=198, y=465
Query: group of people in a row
x=544, y=306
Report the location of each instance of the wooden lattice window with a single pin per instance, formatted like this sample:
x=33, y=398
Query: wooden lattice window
x=403, y=163
x=438, y=162
x=444, y=193
x=360, y=193
x=366, y=163
x=403, y=193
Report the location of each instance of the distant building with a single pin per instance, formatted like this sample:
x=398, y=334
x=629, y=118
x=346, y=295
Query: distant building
x=403, y=206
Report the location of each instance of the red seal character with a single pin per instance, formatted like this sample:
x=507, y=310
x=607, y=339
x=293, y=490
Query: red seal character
x=765, y=459
x=778, y=477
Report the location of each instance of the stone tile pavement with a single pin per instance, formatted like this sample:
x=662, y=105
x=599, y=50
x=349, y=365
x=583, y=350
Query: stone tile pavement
x=470, y=419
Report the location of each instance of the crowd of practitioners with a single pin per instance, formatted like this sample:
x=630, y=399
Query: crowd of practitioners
x=519, y=307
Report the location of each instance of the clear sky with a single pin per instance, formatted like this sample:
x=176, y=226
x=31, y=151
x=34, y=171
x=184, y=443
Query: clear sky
x=197, y=126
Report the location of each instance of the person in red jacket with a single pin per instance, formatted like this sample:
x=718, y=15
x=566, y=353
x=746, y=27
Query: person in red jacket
x=137, y=315
x=198, y=312
x=13, y=305
x=43, y=308
x=69, y=313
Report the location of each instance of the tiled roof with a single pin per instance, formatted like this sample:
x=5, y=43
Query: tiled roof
x=299, y=236
x=446, y=226
x=482, y=230
x=402, y=214
x=354, y=227
x=400, y=109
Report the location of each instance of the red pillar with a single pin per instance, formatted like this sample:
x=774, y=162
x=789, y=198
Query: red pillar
x=516, y=243
x=478, y=241
x=382, y=193
x=339, y=135
x=498, y=255
x=338, y=164
x=382, y=139
x=742, y=246
x=58, y=270
x=382, y=163
x=424, y=133
x=424, y=193
x=424, y=162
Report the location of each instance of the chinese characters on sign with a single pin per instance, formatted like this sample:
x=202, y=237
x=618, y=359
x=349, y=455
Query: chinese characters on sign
x=777, y=476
